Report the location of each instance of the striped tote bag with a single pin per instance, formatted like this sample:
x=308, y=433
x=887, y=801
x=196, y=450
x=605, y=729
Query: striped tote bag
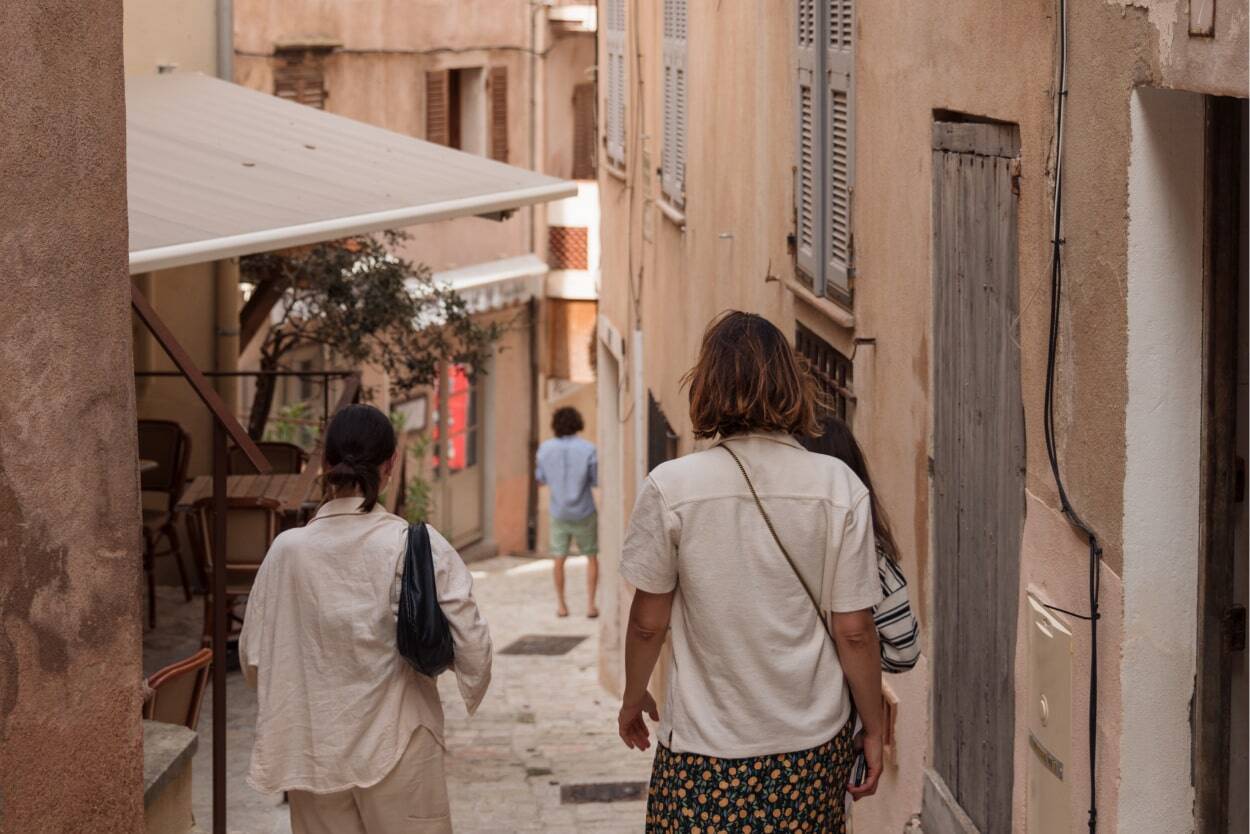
x=897, y=629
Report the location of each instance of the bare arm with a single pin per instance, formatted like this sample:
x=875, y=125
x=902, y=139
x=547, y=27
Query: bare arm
x=855, y=635
x=644, y=637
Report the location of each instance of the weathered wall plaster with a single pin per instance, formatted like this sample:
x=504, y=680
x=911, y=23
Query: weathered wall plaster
x=70, y=739
x=1161, y=484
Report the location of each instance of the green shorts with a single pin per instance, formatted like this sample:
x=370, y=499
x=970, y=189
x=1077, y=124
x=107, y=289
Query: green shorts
x=585, y=532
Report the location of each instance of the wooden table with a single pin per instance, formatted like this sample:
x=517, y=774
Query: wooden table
x=296, y=493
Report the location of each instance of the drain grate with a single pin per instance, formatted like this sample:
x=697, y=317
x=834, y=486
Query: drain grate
x=548, y=644
x=602, y=792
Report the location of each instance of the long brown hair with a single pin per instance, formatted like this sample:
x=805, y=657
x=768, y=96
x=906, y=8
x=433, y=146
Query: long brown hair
x=841, y=443
x=748, y=378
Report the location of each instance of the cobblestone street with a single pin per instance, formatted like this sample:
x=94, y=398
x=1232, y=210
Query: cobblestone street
x=546, y=724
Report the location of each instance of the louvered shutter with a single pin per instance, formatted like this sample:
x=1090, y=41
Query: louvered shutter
x=298, y=77
x=584, y=131
x=614, y=121
x=438, y=107
x=840, y=149
x=673, y=160
x=808, y=178
x=498, y=82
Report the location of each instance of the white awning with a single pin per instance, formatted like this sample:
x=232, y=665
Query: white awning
x=217, y=170
x=494, y=285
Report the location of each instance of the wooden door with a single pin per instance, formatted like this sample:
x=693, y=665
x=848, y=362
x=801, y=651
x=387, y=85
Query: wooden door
x=978, y=474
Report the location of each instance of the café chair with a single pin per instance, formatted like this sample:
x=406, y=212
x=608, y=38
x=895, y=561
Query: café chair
x=168, y=445
x=284, y=459
x=251, y=525
x=176, y=692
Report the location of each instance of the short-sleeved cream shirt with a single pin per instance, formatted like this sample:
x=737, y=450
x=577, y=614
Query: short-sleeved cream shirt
x=754, y=672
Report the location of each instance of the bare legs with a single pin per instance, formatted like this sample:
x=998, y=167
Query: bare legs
x=557, y=571
x=592, y=586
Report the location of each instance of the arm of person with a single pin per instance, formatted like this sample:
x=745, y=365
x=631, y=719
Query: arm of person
x=469, y=633
x=644, y=638
x=855, y=634
x=856, y=590
x=593, y=466
x=649, y=563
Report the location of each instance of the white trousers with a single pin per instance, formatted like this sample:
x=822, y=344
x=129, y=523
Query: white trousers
x=411, y=799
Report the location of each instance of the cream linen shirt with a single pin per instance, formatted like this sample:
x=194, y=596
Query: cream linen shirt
x=754, y=673
x=337, y=703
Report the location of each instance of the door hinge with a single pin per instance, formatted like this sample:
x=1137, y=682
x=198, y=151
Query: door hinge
x=1015, y=176
x=1235, y=629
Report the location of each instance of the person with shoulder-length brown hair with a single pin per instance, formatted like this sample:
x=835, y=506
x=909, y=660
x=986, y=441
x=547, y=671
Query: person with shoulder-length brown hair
x=760, y=556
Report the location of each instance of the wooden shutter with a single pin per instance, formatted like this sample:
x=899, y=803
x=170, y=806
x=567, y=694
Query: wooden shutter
x=497, y=84
x=673, y=160
x=584, y=131
x=808, y=179
x=298, y=77
x=840, y=145
x=614, y=121
x=438, y=106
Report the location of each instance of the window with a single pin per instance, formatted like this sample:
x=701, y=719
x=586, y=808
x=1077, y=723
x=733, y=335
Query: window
x=825, y=114
x=833, y=375
x=568, y=247
x=467, y=108
x=298, y=76
x=614, y=121
x=584, y=131
x=661, y=439
x=673, y=161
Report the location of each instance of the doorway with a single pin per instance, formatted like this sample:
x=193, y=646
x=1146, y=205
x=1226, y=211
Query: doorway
x=1220, y=721
x=461, y=497
x=978, y=476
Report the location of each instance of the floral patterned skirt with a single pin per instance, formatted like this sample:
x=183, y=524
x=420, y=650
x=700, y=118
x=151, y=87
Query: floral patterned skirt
x=801, y=791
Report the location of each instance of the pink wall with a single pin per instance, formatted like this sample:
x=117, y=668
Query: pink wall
x=70, y=741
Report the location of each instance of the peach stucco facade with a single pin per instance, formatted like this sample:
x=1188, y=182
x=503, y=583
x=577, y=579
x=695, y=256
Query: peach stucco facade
x=70, y=739
x=665, y=275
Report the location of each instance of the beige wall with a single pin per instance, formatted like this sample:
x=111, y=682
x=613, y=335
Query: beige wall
x=978, y=57
x=179, y=32
x=183, y=298
x=69, y=507
x=377, y=75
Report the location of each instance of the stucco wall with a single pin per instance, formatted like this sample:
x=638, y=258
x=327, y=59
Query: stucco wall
x=70, y=740
x=983, y=59
x=1163, y=429
x=377, y=75
x=179, y=32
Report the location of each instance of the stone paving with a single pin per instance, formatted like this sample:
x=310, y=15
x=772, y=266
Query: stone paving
x=545, y=724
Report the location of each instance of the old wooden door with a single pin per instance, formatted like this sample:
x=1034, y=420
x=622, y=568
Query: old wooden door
x=978, y=475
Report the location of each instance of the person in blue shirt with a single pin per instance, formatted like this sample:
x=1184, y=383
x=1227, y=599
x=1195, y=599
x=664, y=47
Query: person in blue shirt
x=568, y=466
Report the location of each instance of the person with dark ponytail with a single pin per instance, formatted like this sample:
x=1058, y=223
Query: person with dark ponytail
x=345, y=725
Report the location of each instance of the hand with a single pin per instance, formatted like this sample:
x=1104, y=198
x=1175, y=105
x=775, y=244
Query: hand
x=872, y=755
x=632, y=727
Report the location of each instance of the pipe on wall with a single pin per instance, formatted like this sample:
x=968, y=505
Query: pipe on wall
x=225, y=39
x=226, y=329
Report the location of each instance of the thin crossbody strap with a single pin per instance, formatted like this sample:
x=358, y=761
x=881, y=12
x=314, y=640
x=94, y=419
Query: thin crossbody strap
x=768, y=521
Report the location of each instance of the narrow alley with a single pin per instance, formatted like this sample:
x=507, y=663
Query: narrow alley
x=545, y=732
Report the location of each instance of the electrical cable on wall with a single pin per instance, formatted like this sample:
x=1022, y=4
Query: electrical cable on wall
x=1056, y=295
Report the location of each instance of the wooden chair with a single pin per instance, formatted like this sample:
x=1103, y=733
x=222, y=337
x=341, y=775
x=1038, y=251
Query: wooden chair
x=285, y=458
x=169, y=445
x=178, y=690
x=251, y=525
